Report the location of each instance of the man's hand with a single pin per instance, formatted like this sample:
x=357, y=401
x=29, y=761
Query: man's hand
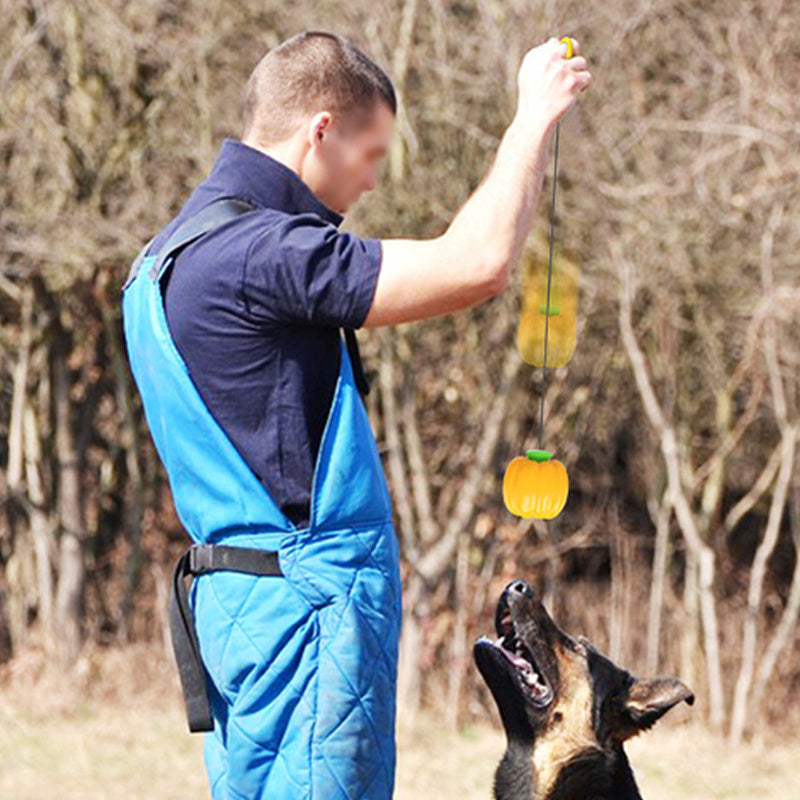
x=548, y=83
x=473, y=259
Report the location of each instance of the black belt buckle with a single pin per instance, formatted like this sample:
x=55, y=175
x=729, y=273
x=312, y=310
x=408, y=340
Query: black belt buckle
x=201, y=558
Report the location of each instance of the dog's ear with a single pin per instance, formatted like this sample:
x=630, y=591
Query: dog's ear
x=649, y=700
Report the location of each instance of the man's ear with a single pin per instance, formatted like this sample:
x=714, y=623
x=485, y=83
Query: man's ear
x=318, y=124
x=649, y=700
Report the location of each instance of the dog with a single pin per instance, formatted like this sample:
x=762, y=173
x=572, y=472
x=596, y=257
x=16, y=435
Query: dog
x=566, y=708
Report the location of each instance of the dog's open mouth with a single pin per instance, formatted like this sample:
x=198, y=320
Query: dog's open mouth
x=518, y=658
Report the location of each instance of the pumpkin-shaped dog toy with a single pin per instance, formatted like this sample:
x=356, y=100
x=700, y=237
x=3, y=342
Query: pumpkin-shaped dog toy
x=535, y=485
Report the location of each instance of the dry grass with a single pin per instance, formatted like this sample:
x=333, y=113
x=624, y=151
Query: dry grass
x=116, y=729
x=675, y=761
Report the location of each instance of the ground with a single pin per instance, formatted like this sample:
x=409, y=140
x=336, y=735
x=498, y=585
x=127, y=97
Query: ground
x=100, y=749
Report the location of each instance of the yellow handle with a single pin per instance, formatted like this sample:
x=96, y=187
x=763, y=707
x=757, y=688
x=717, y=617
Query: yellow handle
x=568, y=42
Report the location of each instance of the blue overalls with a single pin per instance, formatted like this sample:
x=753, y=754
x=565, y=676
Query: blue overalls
x=301, y=668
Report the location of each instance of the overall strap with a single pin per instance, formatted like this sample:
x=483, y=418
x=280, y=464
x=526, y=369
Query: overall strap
x=209, y=217
x=362, y=384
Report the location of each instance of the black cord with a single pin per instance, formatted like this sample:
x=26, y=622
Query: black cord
x=549, y=278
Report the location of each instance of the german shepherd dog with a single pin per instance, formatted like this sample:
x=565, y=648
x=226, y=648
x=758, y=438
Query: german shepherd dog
x=565, y=707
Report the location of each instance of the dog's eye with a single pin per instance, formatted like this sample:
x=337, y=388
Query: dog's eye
x=582, y=645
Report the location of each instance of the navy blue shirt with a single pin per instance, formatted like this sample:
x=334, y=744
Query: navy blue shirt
x=255, y=308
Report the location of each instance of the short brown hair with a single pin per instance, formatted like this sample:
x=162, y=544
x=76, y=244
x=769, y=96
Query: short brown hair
x=311, y=71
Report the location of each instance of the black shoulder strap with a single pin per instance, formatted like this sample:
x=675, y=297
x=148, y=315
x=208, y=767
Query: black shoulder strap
x=362, y=384
x=209, y=217
x=137, y=262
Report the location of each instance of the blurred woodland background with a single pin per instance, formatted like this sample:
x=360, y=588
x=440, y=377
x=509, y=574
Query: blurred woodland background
x=678, y=418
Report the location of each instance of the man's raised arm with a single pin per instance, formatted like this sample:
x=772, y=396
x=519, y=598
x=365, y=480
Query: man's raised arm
x=473, y=259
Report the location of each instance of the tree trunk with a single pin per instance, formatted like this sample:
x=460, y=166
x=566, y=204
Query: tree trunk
x=757, y=576
x=400, y=64
x=458, y=641
x=69, y=595
x=129, y=441
x=789, y=436
x=16, y=425
x=788, y=622
x=617, y=627
x=408, y=669
x=700, y=550
x=41, y=532
x=690, y=630
x=662, y=519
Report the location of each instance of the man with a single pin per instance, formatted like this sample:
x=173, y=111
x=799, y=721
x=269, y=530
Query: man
x=232, y=316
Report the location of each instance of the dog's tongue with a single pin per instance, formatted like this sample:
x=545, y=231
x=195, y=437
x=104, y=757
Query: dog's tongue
x=517, y=661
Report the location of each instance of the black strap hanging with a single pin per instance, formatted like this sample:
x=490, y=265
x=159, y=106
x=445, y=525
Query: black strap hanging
x=199, y=560
x=362, y=384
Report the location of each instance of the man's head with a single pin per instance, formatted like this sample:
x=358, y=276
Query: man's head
x=321, y=106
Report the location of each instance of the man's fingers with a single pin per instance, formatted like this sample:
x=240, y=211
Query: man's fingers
x=578, y=72
x=582, y=80
x=576, y=47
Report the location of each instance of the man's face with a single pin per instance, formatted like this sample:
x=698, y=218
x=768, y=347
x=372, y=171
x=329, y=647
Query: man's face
x=350, y=157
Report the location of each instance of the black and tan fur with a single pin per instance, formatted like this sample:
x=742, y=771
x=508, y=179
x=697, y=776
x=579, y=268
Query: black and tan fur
x=565, y=707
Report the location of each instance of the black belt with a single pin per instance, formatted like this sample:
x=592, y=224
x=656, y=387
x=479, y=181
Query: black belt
x=198, y=560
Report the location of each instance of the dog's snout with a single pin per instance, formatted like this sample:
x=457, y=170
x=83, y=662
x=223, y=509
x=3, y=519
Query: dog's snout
x=520, y=587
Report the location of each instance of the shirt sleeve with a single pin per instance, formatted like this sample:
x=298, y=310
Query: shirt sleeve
x=303, y=269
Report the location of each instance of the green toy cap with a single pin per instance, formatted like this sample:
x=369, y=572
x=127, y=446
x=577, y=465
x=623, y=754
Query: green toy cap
x=538, y=455
x=553, y=311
